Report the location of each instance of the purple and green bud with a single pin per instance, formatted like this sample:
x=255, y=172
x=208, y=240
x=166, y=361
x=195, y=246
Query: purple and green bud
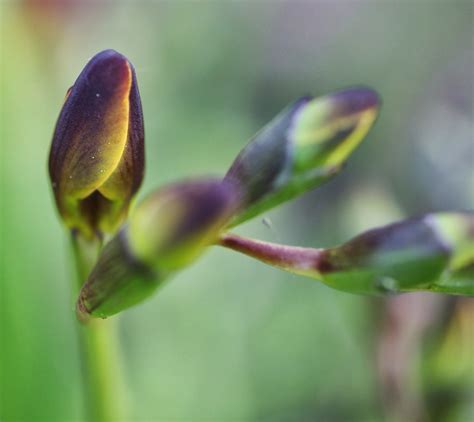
x=172, y=226
x=431, y=253
x=328, y=129
x=165, y=233
x=304, y=146
x=96, y=161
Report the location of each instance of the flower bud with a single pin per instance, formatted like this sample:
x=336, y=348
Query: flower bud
x=328, y=129
x=170, y=227
x=302, y=147
x=166, y=232
x=434, y=252
x=96, y=160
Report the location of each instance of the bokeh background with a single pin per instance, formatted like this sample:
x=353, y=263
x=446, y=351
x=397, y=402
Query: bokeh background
x=230, y=339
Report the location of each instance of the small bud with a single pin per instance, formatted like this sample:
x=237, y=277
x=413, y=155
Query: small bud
x=329, y=128
x=401, y=256
x=304, y=146
x=267, y=157
x=170, y=227
x=96, y=161
x=166, y=232
x=434, y=252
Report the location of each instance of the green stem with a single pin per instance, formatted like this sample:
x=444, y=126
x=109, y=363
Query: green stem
x=100, y=349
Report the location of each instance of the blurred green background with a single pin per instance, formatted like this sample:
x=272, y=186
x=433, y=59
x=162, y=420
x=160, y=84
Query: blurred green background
x=230, y=339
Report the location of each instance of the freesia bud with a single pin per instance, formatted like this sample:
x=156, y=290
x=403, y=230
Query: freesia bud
x=328, y=129
x=434, y=252
x=96, y=161
x=302, y=147
x=170, y=227
x=166, y=232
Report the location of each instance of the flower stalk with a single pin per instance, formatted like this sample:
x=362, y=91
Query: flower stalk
x=104, y=386
x=298, y=260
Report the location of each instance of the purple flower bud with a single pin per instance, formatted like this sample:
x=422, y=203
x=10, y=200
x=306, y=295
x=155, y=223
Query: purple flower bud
x=96, y=160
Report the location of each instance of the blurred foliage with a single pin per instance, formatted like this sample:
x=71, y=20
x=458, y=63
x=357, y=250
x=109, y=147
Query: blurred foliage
x=221, y=344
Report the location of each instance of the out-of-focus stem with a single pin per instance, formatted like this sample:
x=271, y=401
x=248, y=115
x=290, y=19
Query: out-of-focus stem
x=104, y=387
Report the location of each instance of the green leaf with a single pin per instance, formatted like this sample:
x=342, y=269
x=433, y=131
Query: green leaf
x=434, y=252
x=303, y=147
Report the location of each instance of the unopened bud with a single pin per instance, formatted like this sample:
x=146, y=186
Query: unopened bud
x=165, y=233
x=329, y=128
x=96, y=160
x=302, y=147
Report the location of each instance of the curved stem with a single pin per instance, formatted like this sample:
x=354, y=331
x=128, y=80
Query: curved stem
x=100, y=349
x=303, y=261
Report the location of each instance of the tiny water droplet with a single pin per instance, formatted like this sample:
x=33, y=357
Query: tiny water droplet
x=70, y=177
x=387, y=284
x=97, y=95
x=92, y=157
